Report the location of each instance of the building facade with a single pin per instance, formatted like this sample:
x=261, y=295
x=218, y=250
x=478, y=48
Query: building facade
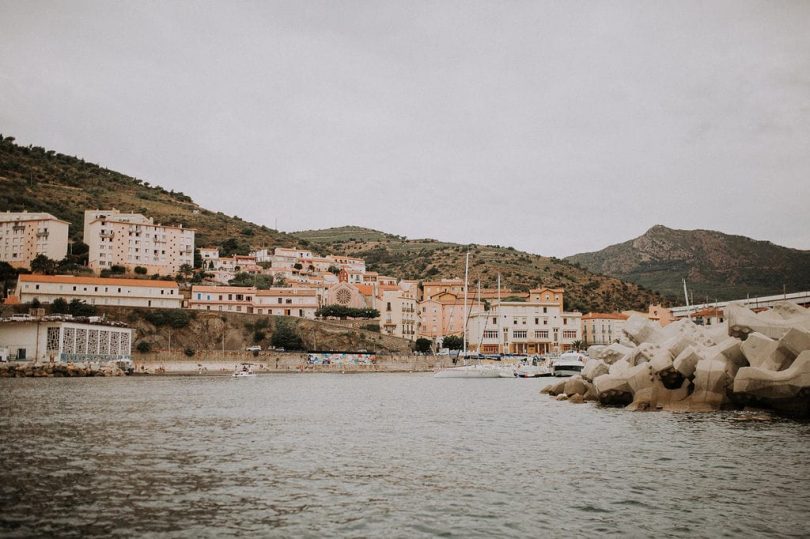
x=132, y=240
x=298, y=302
x=99, y=291
x=51, y=339
x=24, y=236
x=603, y=328
x=537, y=326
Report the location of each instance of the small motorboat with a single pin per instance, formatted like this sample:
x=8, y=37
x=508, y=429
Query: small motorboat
x=569, y=364
x=244, y=370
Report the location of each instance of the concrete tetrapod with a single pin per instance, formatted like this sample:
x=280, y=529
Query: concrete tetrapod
x=787, y=390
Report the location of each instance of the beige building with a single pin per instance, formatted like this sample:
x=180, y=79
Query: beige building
x=603, y=328
x=538, y=326
x=25, y=235
x=399, y=314
x=98, y=291
x=298, y=302
x=131, y=240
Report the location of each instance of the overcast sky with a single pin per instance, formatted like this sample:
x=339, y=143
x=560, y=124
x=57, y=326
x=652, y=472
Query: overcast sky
x=554, y=127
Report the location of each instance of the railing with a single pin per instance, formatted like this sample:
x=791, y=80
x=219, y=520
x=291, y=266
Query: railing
x=42, y=234
x=79, y=358
x=107, y=234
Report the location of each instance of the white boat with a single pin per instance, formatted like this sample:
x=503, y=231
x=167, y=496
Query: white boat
x=244, y=370
x=569, y=364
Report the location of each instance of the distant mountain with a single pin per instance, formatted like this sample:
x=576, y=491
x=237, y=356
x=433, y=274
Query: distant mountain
x=429, y=259
x=35, y=179
x=717, y=265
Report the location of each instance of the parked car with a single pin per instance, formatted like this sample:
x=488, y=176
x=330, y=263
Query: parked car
x=255, y=348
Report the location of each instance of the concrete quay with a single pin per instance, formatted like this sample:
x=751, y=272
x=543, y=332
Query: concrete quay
x=213, y=363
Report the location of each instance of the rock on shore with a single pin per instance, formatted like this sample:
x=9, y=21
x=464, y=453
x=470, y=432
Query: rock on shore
x=29, y=370
x=758, y=359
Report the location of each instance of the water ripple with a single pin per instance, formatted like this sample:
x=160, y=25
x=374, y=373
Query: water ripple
x=372, y=455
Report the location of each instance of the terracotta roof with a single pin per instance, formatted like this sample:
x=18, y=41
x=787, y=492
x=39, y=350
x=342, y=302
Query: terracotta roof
x=72, y=279
x=711, y=311
x=607, y=316
x=365, y=289
x=389, y=287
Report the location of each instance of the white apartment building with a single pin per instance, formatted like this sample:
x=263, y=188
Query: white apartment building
x=298, y=302
x=209, y=256
x=98, y=291
x=603, y=328
x=131, y=240
x=290, y=254
x=25, y=235
x=349, y=263
x=50, y=339
x=523, y=328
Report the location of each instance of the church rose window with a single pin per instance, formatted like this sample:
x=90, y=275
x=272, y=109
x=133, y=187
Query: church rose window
x=343, y=296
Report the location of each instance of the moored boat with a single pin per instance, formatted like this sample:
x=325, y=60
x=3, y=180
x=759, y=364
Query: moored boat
x=569, y=364
x=243, y=371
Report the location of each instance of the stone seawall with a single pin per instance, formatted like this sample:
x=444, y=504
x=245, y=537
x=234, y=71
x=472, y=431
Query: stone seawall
x=210, y=362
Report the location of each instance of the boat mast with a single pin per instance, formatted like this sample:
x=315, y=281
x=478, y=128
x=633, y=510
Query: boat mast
x=686, y=296
x=498, y=316
x=466, y=289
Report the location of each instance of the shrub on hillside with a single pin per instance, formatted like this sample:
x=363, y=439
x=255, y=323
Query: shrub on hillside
x=176, y=318
x=342, y=312
x=286, y=336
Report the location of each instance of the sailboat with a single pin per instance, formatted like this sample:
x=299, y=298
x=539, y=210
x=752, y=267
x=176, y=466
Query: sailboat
x=475, y=370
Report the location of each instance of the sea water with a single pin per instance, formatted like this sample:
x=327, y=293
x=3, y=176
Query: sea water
x=369, y=455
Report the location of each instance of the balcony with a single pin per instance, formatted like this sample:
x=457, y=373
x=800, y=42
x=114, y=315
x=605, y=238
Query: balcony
x=43, y=234
x=107, y=234
x=18, y=228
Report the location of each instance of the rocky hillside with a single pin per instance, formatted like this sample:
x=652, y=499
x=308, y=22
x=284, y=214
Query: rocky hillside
x=431, y=259
x=714, y=264
x=35, y=179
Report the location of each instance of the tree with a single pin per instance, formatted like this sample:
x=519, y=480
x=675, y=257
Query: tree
x=423, y=345
x=118, y=270
x=43, y=264
x=79, y=308
x=577, y=345
x=334, y=269
x=7, y=273
x=143, y=347
x=453, y=342
x=343, y=312
x=198, y=261
x=298, y=266
x=140, y=270
x=59, y=306
x=285, y=336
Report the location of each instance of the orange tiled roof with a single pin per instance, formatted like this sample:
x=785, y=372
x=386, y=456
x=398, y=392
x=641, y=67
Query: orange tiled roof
x=72, y=279
x=608, y=316
x=365, y=289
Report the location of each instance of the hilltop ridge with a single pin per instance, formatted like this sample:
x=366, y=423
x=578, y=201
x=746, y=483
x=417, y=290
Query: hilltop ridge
x=717, y=265
x=35, y=179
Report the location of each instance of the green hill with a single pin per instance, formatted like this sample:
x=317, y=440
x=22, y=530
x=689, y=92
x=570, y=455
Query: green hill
x=35, y=179
x=715, y=265
x=425, y=259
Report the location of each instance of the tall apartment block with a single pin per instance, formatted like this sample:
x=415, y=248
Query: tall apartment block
x=25, y=235
x=131, y=240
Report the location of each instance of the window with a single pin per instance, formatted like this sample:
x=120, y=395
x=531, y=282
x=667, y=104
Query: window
x=569, y=334
x=491, y=334
x=541, y=334
x=545, y=310
x=521, y=334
